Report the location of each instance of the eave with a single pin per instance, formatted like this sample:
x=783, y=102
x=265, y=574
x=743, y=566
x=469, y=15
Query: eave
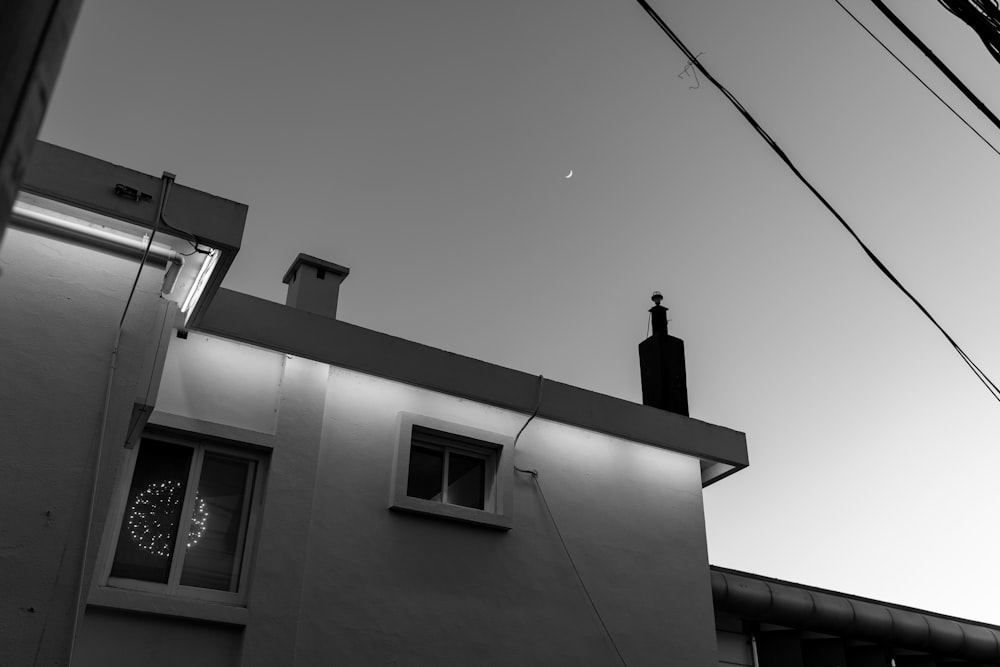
x=241, y=317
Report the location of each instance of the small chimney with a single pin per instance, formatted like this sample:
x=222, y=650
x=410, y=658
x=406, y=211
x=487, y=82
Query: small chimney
x=314, y=285
x=661, y=365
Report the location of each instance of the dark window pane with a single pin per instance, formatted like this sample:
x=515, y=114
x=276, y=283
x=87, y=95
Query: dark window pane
x=149, y=528
x=466, y=480
x=426, y=472
x=218, y=523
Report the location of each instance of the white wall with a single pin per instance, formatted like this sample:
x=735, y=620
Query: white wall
x=338, y=578
x=60, y=304
x=221, y=381
x=385, y=586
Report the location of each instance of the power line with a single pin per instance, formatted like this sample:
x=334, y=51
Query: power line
x=917, y=77
x=983, y=16
x=896, y=21
x=987, y=382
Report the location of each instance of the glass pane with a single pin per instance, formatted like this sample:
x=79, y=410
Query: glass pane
x=149, y=527
x=466, y=480
x=218, y=523
x=426, y=473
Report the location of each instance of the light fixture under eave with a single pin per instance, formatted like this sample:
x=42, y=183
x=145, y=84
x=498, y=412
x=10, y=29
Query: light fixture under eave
x=185, y=278
x=36, y=217
x=30, y=213
x=200, y=282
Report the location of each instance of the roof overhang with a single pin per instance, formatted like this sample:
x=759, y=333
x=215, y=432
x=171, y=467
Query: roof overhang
x=794, y=606
x=248, y=319
x=91, y=201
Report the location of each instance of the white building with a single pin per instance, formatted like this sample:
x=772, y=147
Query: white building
x=223, y=480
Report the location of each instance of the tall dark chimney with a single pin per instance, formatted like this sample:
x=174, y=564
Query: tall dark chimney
x=661, y=364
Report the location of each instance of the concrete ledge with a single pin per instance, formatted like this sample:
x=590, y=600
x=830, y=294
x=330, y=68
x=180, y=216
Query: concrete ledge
x=146, y=603
x=231, y=434
x=248, y=319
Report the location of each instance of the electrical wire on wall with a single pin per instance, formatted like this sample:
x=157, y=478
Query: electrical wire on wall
x=552, y=520
x=538, y=405
x=978, y=372
x=192, y=239
x=166, y=183
x=576, y=571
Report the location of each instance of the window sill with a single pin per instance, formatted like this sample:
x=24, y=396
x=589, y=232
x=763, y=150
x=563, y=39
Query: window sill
x=146, y=603
x=454, y=512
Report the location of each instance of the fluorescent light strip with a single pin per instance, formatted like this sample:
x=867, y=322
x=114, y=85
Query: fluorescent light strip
x=204, y=273
x=38, y=218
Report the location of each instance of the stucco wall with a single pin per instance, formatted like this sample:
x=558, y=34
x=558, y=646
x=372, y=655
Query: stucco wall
x=60, y=304
x=274, y=402
x=217, y=380
x=338, y=578
x=112, y=638
x=390, y=588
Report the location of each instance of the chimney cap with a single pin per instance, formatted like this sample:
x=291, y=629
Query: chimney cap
x=309, y=260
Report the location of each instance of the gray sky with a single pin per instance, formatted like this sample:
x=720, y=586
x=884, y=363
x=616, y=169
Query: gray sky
x=425, y=145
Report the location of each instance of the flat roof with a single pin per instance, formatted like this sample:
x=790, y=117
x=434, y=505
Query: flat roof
x=245, y=318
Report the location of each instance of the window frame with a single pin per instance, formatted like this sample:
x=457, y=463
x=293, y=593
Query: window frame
x=488, y=456
x=253, y=508
x=495, y=448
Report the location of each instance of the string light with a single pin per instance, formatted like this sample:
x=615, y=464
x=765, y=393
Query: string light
x=199, y=519
x=151, y=521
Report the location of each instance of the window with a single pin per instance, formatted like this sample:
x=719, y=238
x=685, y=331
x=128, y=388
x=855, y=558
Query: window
x=448, y=470
x=186, y=520
x=452, y=471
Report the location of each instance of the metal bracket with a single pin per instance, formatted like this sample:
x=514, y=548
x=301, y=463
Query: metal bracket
x=127, y=192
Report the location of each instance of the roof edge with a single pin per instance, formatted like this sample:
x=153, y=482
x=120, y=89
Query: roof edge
x=90, y=183
x=271, y=325
x=755, y=597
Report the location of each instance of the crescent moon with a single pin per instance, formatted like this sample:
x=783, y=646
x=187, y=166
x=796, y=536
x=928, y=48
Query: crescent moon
x=570, y=174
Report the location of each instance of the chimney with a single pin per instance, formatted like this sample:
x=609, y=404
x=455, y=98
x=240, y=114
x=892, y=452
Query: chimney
x=314, y=285
x=661, y=365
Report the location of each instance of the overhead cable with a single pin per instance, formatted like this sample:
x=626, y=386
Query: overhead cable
x=917, y=77
x=987, y=382
x=896, y=21
x=983, y=16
